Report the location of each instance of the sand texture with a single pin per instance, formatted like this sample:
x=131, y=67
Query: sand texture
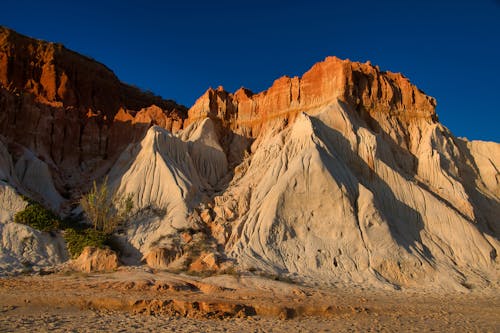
x=141, y=301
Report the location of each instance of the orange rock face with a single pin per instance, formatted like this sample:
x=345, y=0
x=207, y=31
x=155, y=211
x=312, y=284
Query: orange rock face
x=96, y=260
x=364, y=87
x=69, y=109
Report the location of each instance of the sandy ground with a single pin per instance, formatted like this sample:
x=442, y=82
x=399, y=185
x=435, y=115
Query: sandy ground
x=141, y=301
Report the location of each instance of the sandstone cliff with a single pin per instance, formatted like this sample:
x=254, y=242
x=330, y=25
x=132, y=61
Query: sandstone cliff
x=373, y=94
x=352, y=178
x=70, y=110
x=344, y=175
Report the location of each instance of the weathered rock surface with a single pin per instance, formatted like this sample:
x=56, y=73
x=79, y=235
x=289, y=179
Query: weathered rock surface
x=334, y=211
x=23, y=249
x=352, y=178
x=71, y=111
x=10, y=200
x=161, y=257
x=373, y=94
x=94, y=259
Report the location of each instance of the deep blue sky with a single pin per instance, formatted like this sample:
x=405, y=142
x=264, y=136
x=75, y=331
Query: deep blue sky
x=177, y=49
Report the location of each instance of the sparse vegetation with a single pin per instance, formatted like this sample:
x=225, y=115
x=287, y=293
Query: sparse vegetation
x=104, y=211
x=76, y=234
x=38, y=217
x=77, y=240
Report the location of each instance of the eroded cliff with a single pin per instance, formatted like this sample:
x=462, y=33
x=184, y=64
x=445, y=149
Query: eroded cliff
x=70, y=110
x=344, y=175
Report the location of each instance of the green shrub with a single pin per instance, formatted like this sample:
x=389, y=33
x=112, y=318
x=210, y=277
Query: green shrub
x=106, y=212
x=77, y=235
x=38, y=217
x=77, y=240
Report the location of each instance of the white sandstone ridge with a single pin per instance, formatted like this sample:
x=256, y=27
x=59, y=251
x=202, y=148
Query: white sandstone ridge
x=168, y=175
x=24, y=249
x=325, y=199
x=28, y=175
x=21, y=247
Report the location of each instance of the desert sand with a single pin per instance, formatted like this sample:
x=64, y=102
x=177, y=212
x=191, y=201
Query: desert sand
x=140, y=300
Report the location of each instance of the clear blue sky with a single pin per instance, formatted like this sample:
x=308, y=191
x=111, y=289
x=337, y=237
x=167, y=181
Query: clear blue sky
x=177, y=49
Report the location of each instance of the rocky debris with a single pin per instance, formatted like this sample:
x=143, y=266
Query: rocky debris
x=161, y=257
x=199, y=309
x=94, y=259
x=206, y=262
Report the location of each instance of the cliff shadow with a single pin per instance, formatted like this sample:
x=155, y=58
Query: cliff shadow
x=488, y=215
x=485, y=208
x=404, y=222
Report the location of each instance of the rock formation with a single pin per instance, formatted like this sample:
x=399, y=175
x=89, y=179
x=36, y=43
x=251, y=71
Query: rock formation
x=70, y=111
x=347, y=135
x=96, y=260
x=343, y=175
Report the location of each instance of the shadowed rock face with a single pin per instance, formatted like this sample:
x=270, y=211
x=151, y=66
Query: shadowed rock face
x=70, y=110
x=61, y=77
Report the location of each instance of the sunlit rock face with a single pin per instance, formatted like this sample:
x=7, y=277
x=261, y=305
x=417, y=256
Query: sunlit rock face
x=341, y=176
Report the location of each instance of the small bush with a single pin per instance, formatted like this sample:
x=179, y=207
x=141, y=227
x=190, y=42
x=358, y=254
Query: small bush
x=38, y=217
x=77, y=235
x=77, y=240
x=104, y=211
